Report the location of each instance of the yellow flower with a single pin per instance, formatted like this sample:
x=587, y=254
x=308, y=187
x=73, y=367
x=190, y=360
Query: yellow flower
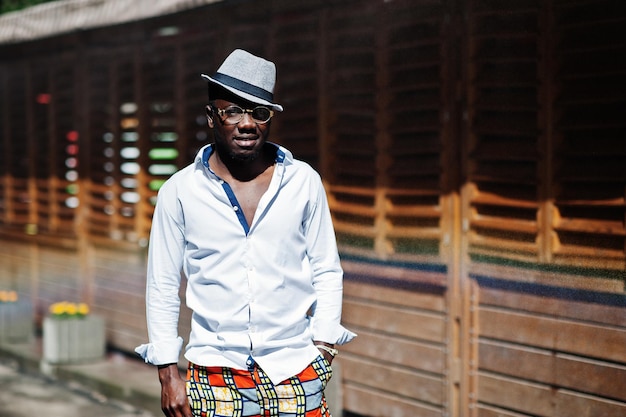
x=83, y=309
x=70, y=309
x=58, y=309
x=67, y=310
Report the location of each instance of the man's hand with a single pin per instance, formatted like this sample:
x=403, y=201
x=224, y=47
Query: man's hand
x=174, y=402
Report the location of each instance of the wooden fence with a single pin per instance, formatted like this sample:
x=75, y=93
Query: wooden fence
x=473, y=153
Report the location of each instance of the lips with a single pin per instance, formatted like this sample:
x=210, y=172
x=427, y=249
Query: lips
x=246, y=141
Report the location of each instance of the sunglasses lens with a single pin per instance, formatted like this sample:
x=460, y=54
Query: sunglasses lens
x=233, y=114
x=261, y=114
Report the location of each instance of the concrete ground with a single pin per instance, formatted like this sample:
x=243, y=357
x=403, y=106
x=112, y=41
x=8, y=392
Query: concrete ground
x=25, y=395
x=119, y=385
x=115, y=386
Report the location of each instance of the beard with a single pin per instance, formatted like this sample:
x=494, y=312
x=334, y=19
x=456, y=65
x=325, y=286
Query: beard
x=228, y=154
x=244, y=158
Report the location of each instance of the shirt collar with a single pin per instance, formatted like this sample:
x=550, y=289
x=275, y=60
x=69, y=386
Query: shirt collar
x=204, y=154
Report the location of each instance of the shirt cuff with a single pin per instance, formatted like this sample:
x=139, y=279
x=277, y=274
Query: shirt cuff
x=337, y=335
x=161, y=353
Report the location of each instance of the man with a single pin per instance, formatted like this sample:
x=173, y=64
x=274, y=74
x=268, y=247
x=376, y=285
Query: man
x=250, y=228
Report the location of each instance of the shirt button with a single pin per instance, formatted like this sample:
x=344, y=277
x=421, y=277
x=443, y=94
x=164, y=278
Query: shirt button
x=235, y=208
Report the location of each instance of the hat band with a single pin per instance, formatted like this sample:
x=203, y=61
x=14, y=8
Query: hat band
x=244, y=86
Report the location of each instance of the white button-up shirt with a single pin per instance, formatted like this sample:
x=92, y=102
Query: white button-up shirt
x=264, y=290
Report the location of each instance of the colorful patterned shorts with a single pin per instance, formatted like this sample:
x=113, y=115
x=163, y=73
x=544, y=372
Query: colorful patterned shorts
x=226, y=392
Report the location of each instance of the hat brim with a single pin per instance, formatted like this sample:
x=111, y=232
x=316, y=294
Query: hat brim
x=244, y=95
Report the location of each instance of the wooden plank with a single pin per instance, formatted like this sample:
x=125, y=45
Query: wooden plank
x=483, y=410
x=410, y=323
x=560, y=335
x=516, y=395
x=517, y=361
x=419, y=300
x=394, y=380
x=361, y=271
x=384, y=348
x=373, y=403
x=112, y=277
x=581, y=405
x=565, y=308
x=592, y=377
x=567, y=371
x=120, y=301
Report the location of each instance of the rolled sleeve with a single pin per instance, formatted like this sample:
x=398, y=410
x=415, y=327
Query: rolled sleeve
x=161, y=353
x=331, y=332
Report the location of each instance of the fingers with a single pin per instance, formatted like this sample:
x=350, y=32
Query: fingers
x=174, y=402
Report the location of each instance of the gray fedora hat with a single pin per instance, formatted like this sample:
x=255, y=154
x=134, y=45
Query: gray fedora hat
x=248, y=76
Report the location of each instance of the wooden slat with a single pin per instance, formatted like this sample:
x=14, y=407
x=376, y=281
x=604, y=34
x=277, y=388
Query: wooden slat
x=573, y=403
x=481, y=221
x=373, y=403
x=407, y=383
x=543, y=366
x=593, y=377
x=392, y=296
x=590, y=311
x=401, y=352
x=564, y=280
x=483, y=410
x=392, y=320
x=516, y=395
x=361, y=270
x=559, y=335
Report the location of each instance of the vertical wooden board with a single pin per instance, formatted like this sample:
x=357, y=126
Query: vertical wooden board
x=385, y=348
x=373, y=403
x=401, y=381
x=403, y=322
x=515, y=395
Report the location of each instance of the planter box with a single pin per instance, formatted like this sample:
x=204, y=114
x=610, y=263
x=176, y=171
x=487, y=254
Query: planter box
x=16, y=322
x=72, y=340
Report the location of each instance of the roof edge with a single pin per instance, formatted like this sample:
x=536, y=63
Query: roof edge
x=65, y=16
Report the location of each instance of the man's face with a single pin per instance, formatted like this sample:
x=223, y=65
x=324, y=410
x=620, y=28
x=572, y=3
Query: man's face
x=241, y=141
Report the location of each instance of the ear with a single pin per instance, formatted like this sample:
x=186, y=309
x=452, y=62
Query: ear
x=209, y=117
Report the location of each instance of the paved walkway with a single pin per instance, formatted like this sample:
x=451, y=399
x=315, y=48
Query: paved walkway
x=116, y=386
x=26, y=395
